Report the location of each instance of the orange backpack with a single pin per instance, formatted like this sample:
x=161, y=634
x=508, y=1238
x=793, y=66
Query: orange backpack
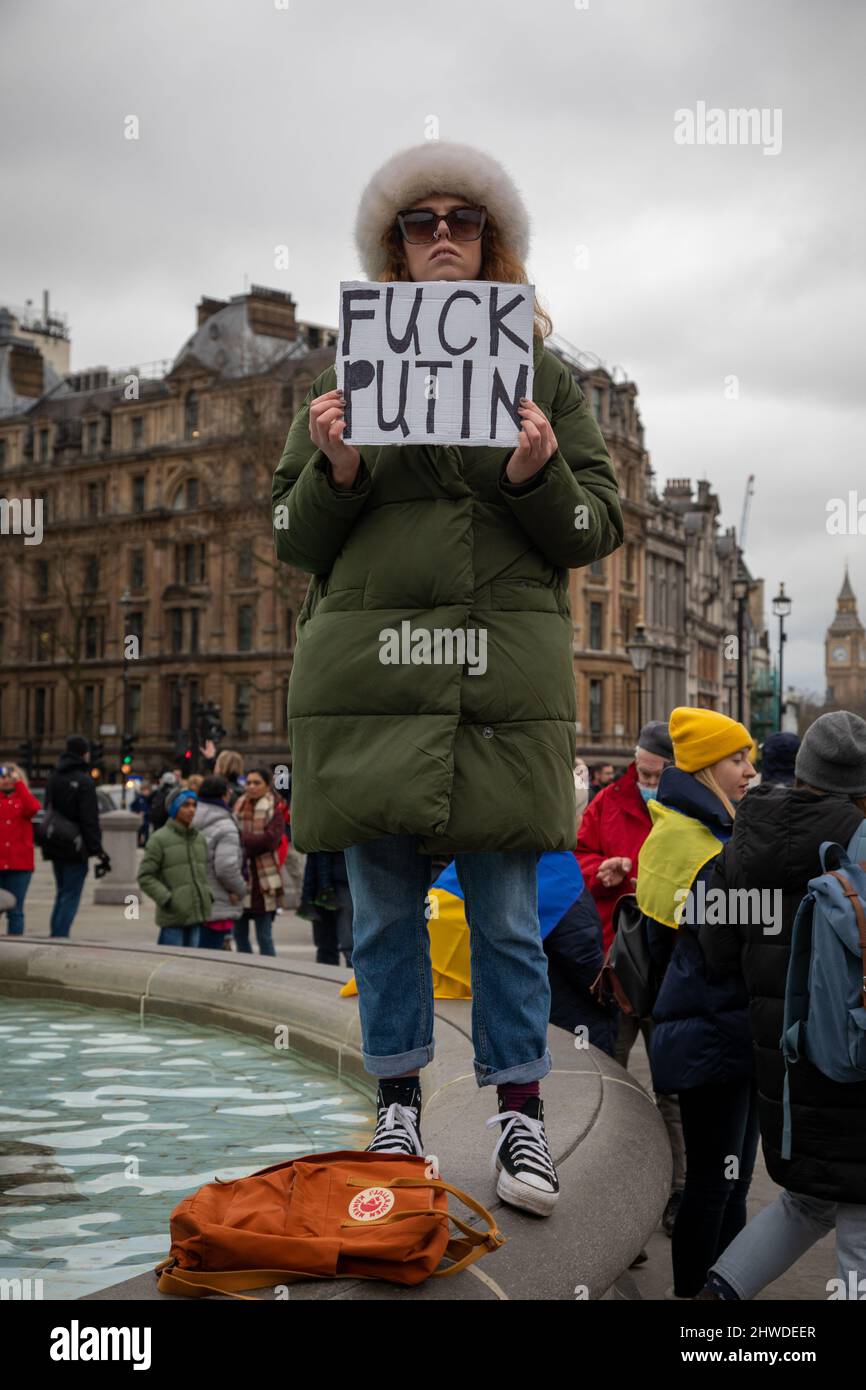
x=326, y=1216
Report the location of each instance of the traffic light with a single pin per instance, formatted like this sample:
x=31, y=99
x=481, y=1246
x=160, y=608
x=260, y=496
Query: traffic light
x=186, y=762
x=127, y=748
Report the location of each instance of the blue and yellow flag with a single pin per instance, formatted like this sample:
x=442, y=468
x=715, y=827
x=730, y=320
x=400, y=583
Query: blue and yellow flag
x=560, y=884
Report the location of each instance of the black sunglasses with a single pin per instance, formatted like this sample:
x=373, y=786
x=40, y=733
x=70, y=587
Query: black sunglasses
x=420, y=225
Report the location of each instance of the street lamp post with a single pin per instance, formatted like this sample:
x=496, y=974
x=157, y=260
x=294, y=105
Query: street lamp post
x=730, y=683
x=639, y=651
x=125, y=606
x=741, y=594
x=781, y=608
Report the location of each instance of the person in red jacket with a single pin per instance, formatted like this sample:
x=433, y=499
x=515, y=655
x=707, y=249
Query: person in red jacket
x=18, y=806
x=616, y=822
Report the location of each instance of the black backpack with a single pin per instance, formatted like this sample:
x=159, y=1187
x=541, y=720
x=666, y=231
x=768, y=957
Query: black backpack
x=629, y=977
x=60, y=833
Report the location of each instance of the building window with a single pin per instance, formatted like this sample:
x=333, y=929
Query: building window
x=629, y=563
x=135, y=628
x=245, y=628
x=39, y=725
x=91, y=574
x=2, y=453
x=186, y=497
x=598, y=403
x=176, y=629
x=42, y=578
x=134, y=711
x=245, y=564
x=243, y=708
x=597, y=569
x=44, y=445
x=136, y=569
x=42, y=642
x=189, y=562
x=92, y=436
x=194, y=629
x=595, y=627
x=595, y=690
x=176, y=701
x=190, y=416
x=250, y=418
x=248, y=478
x=93, y=638
x=94, y=498
x=138, y=486
x=137, y=431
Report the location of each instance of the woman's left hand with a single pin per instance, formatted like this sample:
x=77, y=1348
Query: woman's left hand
x=537, y=444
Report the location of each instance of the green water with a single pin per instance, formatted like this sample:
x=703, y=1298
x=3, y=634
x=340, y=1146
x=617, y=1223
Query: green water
x=105, y=1124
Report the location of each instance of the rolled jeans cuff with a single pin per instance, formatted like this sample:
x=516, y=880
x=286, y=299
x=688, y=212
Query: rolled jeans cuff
x=400, y=1062
x=525, y=1071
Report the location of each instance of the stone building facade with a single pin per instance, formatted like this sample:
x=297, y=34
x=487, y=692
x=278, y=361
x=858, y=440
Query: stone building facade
x=157, y=540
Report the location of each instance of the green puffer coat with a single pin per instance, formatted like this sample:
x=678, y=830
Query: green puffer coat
x=437, y=536
x=174, y=873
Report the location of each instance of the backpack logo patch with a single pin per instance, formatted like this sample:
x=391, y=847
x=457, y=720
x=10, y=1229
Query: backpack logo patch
x=371, y=1203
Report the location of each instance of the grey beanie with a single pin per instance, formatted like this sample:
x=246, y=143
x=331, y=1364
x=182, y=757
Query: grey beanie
x=832, y=756
x=437, y=166
x=655, y=737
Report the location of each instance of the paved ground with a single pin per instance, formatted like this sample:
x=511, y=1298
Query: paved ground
x=292, y=937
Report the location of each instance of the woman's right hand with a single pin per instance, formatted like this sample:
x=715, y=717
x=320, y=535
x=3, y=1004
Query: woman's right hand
x=327, y=422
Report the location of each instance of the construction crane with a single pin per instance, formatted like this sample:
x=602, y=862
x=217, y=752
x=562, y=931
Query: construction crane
x=744, y=520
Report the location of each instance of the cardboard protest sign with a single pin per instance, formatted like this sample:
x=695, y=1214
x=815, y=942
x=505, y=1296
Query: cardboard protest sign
x=434, y=361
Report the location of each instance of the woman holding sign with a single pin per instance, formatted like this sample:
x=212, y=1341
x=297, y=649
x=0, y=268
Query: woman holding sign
x=416, y=747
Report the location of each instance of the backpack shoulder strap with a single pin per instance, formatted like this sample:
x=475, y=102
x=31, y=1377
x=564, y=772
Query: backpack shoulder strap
x=854, y=898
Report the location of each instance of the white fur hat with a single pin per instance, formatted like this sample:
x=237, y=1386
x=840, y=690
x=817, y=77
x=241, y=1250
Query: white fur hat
x=437, y=166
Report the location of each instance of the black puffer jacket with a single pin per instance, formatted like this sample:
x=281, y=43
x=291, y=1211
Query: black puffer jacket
x=777, y=836
x=71, y=791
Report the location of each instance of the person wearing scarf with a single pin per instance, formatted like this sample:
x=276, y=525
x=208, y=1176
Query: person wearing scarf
x=701, y=1042
x=262, y=828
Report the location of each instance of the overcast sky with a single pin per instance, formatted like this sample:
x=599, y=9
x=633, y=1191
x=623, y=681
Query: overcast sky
x=260, y=125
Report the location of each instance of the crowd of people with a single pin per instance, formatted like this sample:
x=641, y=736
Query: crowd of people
x=218, y=860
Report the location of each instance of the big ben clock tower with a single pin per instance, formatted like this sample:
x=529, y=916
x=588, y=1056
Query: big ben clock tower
x=845, y=659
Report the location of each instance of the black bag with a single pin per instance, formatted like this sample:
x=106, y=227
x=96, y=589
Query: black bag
x=60, y=833
x=629, y=975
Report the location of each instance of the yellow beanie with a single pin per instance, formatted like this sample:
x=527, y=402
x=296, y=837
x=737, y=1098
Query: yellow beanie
x=703, y=736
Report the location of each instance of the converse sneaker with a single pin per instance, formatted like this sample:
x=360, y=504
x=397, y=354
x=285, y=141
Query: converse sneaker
x=527, y=1177
x=398, y=1127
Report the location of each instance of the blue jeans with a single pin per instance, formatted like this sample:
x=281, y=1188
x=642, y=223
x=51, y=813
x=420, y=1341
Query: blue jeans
x=16, y=882
x=178, y=936
x=389, y=881
x=210, y=940
x=784, y=1231
x=69, y=878
x=264, y=935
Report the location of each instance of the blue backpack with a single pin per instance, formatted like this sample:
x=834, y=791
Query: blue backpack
x=825, y=991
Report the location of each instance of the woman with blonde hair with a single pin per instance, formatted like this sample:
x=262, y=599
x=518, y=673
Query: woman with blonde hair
x=230, y=765
x=398, y=763
x=18, y=806
x=701, y=1047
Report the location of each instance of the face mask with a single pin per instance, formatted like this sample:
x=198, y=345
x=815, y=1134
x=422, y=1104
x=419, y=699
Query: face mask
x=648, y=793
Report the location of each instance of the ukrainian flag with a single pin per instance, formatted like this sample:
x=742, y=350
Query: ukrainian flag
x=560, y=884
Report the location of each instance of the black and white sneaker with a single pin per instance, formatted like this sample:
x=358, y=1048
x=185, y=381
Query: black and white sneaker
x=398, y=1126
x=522, y=1157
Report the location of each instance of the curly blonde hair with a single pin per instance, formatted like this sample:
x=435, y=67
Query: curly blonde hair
x=498, y=262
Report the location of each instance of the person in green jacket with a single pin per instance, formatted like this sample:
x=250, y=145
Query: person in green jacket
x=173, y=872
x=398, y=763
